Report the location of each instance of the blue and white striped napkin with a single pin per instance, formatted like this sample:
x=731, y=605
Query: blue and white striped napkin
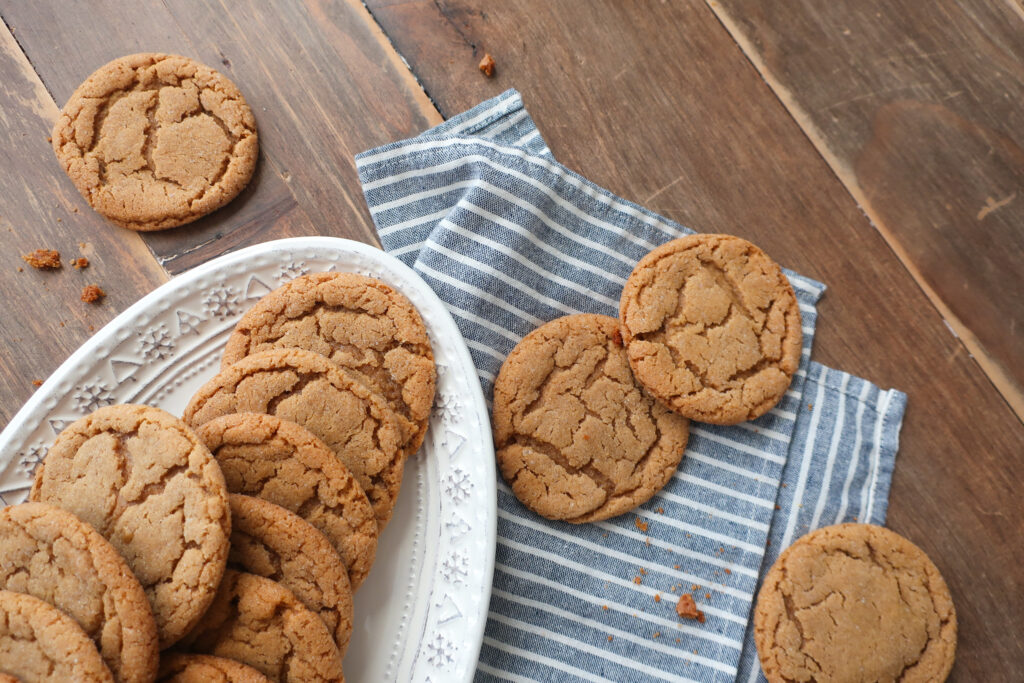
x=510, y=239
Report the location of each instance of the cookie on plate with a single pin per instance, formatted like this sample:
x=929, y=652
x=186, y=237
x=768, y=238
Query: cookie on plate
x=38, y=642
x=182, y=668
x=146, y=482
x=576, y=437
x=260, y=623
x=271, y=542
x=279, y=461
x=153, y=141
x=308, y=389
x=854, y=602
x=712, y=328
x=50, y=554
x=360, y=323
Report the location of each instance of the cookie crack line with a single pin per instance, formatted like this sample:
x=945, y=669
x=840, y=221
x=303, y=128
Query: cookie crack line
x=556, y=457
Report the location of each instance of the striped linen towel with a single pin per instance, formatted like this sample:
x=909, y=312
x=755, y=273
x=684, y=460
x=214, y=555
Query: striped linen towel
x=510, y=239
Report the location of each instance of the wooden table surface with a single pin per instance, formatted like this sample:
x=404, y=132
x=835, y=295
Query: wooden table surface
x=876, y=146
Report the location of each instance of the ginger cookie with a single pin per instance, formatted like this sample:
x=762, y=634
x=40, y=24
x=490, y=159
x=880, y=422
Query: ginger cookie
x=144, y=480
x=50, y=554
x=279, y=461
x=271, y=542
x=576, y=437
x=260, y=623
x=38, y=642
x=361, y=324
x=153, y=141
x=180, y=668
x=854, y=602
x=712, y=328
x=308, y=389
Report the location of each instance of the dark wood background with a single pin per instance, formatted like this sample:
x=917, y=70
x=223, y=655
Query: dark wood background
x=876, y=146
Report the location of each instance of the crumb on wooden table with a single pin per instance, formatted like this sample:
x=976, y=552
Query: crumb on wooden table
x=92, y=293
x=37, y=382
x=487, y=65
x=80, y=262
x=43, y=259
x=687, y=608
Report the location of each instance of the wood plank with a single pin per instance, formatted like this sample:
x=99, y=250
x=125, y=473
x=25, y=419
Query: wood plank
x=42, y=319
x=917, y=109
x=321, y=78
x=656, y=102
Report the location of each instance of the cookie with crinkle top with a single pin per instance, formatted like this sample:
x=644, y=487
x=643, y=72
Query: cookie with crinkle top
x=360, y=323
x=308, y=389
x=38, y=642
x=148, y=485
x=576, y=437
x=712, y=328
x=279, y=461
x=854, y=602
x=50, y=554
x=182, y=668
x=153, y=141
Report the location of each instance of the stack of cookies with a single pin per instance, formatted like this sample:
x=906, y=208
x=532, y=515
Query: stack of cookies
x=225, y=545
x=591, y=413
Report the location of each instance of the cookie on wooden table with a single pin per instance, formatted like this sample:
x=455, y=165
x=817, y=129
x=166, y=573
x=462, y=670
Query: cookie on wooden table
x=279, y=461
x=271, y=542
x=308, y=389
x=260, y=623
x=712, y=328
x=854, y=602
x=146, y=482
x=50, y=554
x=360, y=323
x=38, y=642
x=181, y=668
x=153, y=141
x=576, y=437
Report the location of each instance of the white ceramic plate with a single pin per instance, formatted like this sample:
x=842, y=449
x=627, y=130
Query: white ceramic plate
x=420, y=614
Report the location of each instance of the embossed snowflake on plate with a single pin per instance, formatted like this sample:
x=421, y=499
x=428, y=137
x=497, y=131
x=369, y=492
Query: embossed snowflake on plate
x=31, y=458
x=290, y=271
x=458, y=485
x=222, y=302
x=441, y=651
x=156, y=344
x=92, y=397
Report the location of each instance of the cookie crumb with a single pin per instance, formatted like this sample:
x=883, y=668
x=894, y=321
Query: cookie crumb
x=92, y=293
x=80, y=262
x=640, y=524
x=657, y=634
x=37, y=382
x=707, y=596
x=677, y=640
x=657, y=597
x=609, y=639
x=604, y=607
x=20, y=269
x=661, y=510
x=647, y=541
x=637, y=580
x=43, y=259
x=487, y=65
x=728, y=571
x=694, y=587
x=643, y=572
x=687, y=608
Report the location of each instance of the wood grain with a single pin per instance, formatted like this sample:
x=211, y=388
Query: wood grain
x=320, y=77
x=42, y=319
x=917, y=108
x=656, y=102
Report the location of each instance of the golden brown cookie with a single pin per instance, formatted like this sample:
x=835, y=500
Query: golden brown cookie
x=153, y=141
x=308, y=389
x=279, y=461
x=50, y=554
x=181, y=668
x=576, y=437
x=38, y=642
x=361, y=324
x=144, y=480
x=271, y=542
x=712, y=328
x=854, y=602
x=258, y=622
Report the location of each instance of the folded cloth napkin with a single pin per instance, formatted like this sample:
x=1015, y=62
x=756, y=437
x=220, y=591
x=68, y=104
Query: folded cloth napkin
x=510, y=239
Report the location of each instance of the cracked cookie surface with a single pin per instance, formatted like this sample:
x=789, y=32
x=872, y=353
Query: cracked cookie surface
x=179, y=668
x=271, y=542
x=576, y=437
x=361, y=324
x=50, y=554
x=260, y=623
x=148, y=485
x=854, y=602
x=279, y=461
x=38, y=642
x=309, y=390
x=153, y=141
x=712, y=328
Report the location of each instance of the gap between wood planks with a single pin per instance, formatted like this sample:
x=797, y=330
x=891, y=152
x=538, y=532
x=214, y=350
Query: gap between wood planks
x=1003, y=384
